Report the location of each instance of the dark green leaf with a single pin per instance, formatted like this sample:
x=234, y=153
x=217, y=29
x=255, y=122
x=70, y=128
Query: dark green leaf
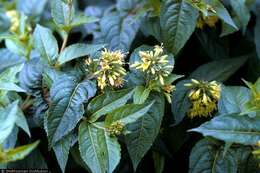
x=178, y=21
x=78, y=50
x=98, y=150
x=207, y=156
x=232, y=128
x=108, y=102
x=212, y=71
x=45, y=43
x=67, y=98
x=145, y=130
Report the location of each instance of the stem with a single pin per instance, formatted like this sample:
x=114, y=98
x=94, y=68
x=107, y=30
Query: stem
x=64, y=42
x=27, y=103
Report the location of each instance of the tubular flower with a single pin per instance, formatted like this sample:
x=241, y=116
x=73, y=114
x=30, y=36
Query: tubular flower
x=110, y=69
x=14, y=19
x=204, y=97
x=168, y=89
x=116, y=128
x=154, y=63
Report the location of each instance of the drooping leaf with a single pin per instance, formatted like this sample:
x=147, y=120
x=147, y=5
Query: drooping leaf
x=207, y=156
x=108, y=102
x=178, y=21
x=77, y=50
x=98, y=150
x=45, y=43
x=145, y=130
x=232, y=128
x=67, y=98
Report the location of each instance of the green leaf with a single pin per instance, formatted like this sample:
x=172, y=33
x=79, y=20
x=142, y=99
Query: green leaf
x=257, y=35
x=159, y=162
x=82, y=19
x=31, y=7
x=108, y=102
x=222, y=12
x=78, y=50
x=119, y=31
x=178, y=21
x=62, y=149
x=67, y=96
x=62, y=14
x=8, y=86
x=207, y=156
x=233, y=99
x=98, y=150
x=34, y=160
x=128, y=114
x=8, y=59
x=30, y=77
x=180, y=101
x=19, y=153
x=144, y=131
x=241, y=10
x=45, y=43
x=141, y=94
x=7, y=120
x=232, y=128
x=22, y=122
x=211, y=71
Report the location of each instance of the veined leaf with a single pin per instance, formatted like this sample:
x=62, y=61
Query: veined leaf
x=141, y=94
x=178, y=21
x=62, y=14
x=128, y=113
x=232, y=128
x=108, y=102
x=8, y=59
x=233, y=99
x=98, y=150
x=207, y=156
x=78, y=50
x=67, y=98
x=62, y=149
x=18, y=153
x=145, y=130
x=45, y=43
x=119, y=31
x=211, y=70
x=7, y=120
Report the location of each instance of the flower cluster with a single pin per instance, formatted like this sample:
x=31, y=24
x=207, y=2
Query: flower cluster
x=14, y=19
x=204, y=97
x=110, y=71
x=154, y=63
x=116, y=128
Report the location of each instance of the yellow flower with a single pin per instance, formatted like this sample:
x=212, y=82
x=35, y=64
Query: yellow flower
x=116, y=128
x=154, y=63
x=14, y=19
x=204, y=97
x=110, y=70
x=210, y=21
